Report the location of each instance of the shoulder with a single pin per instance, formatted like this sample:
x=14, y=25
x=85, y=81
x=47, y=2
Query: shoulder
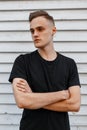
x=23, y=57
x=66, y=59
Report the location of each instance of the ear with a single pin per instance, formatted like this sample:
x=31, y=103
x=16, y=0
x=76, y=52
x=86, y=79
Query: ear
x=54, y=30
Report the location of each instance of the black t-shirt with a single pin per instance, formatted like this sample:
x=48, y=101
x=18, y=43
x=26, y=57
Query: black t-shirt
x=45, y=76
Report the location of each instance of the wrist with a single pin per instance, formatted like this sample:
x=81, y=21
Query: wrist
x=65, y=94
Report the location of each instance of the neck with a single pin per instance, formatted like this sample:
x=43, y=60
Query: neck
x=48, y=53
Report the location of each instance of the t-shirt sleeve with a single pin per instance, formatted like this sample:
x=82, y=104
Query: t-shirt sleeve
x=73, y=75
x=18, y=69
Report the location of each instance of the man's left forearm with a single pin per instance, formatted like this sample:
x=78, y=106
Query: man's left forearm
x=71, y=104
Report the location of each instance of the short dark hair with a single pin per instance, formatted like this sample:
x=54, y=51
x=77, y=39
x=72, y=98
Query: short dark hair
x=41, y=13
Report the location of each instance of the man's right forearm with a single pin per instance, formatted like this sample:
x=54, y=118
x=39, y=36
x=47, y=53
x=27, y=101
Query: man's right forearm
x=39, y=100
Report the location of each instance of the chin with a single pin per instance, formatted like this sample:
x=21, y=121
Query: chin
x=38, y=46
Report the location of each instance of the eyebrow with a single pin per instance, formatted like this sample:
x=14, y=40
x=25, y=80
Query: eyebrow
x=37, y=27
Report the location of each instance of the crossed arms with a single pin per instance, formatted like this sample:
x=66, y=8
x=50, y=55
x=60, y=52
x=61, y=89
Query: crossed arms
x=63, y=101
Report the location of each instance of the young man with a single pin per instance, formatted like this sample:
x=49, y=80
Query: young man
x=45, y=83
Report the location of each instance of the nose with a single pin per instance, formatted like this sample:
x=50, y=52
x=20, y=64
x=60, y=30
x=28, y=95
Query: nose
x=35, y=33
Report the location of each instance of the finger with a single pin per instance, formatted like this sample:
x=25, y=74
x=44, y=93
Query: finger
x=23, y=81
x=20, y=86
x=23, y=87
x=22, y=90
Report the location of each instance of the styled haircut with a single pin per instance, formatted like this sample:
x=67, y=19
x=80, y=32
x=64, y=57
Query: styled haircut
x=41, y=13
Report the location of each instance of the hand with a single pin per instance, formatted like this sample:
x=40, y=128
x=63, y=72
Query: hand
x=23, y=86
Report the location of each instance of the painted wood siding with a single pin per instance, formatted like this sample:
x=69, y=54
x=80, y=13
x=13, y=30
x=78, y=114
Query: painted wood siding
x=71, y=40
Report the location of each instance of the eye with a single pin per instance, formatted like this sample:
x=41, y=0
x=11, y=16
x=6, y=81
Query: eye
x=32, y=31
x=40, y=29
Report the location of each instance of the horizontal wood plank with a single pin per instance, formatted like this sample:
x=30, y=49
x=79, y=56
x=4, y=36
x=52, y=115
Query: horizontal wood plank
x=7, y=99
x=83, y=89
x=82, y=68
x=59, y=36
x=82, y=128
x=5, y=68
x=6, y=88
x=10, y=109
x=78, y=120
x=9, y=127
x=83, y=78
x=58, y=15
x=84, y=100
x=74, y=128
x=29, y=46
x=10, y=119
x=46, y=4
x=60, y=25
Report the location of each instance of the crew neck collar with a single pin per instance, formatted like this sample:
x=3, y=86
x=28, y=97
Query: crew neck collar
x=44, y=60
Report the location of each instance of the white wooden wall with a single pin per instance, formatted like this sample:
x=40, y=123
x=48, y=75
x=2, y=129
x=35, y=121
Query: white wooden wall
x=71, y=39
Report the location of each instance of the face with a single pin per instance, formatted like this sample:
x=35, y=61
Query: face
x=42, y=31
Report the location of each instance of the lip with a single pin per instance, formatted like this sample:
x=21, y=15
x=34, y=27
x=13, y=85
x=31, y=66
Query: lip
x=36, y=40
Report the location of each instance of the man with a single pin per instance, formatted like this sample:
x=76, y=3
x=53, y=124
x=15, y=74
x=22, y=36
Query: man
x=45, y=83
